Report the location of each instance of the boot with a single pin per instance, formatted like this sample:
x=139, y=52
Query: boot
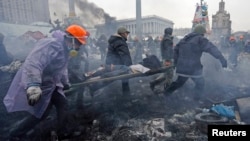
x=166, y=86
x=125, y=89
x=155, y=82
x=152, y=85
x=167, y=93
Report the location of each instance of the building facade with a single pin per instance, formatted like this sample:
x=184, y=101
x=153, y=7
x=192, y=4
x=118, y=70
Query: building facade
x=181, y=31
x=151, y=25
x=24, y=11
x=221, y=23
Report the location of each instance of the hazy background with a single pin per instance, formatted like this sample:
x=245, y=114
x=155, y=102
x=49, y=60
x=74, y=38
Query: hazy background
x=181, y=12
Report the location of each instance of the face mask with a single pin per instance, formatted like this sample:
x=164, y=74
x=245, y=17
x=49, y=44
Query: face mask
x=72, y=52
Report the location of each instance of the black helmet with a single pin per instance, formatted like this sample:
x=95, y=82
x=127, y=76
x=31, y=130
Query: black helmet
x=168, y=31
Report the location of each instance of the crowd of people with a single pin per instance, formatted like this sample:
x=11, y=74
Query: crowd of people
x=234, y=46
x=55, y=62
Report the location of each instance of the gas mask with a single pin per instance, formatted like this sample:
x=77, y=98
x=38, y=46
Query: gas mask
x=71, y=48
x=72, y=51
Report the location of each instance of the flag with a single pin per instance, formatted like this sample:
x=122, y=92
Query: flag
x=201, y=16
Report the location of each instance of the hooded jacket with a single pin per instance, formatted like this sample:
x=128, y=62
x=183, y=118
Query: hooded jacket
x=167, y=45
x=118, y=51
x=188, y=52
x=5, y=59
x=45, y=65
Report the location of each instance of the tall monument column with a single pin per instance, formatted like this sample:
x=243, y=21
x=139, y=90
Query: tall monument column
x=138, y=20
x=72, y=18
x=72, y=12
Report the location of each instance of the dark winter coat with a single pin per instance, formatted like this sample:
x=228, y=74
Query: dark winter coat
x=138, y=51
x=5, y=59
x=167, y=47
x=241, y=45
x=118, y=51
x=151, y=46
x=247, y=47
x=102, y=44
x=188, y=52
x=234, y=51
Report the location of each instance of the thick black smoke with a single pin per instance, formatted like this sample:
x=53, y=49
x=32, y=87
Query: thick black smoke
x=89, y=13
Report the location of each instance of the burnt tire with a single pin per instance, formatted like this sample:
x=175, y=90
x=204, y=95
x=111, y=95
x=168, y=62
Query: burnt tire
x=210, y=118
x=205, y=119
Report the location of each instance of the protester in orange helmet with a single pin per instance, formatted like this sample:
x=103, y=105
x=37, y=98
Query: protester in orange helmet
x=241, y=43
x=232, y=38
x=247, y=47
x=39, y=83
x=79, y=63
x=233, y=52
x=241, y=37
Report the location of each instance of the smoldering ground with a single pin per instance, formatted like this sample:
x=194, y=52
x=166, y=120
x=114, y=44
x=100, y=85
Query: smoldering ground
x=109, y=115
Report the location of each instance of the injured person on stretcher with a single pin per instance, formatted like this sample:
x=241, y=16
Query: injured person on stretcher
x=105, y=71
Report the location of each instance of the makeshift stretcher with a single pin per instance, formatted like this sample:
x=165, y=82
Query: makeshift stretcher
x=114, y=78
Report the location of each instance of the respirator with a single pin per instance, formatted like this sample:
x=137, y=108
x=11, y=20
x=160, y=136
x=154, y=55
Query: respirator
x=72, y=52
x=72, y=49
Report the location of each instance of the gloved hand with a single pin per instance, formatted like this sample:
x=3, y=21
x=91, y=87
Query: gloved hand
x=66, y=86
x=224, y=63
x=33, y=94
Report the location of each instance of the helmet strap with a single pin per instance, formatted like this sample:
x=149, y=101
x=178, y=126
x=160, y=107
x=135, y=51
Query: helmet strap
x=73, y=43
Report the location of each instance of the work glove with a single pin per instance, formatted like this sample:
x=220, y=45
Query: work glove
x=224, y=63
x=33, y=94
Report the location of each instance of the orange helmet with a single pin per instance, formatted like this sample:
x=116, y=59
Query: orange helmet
x=231, y=38
x=136, y=38
x=160, y=38
x=78, y=32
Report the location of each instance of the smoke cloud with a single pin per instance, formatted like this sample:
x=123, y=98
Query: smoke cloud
x=89, y=13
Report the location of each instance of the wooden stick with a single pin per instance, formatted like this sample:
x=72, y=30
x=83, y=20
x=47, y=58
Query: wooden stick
x=120, y=77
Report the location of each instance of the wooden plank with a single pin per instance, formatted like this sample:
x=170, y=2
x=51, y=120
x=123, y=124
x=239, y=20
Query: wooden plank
x=237, y=116
x=120, y=77
x=244, y=108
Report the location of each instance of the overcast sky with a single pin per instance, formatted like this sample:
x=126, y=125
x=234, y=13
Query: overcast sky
x=181, y=12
